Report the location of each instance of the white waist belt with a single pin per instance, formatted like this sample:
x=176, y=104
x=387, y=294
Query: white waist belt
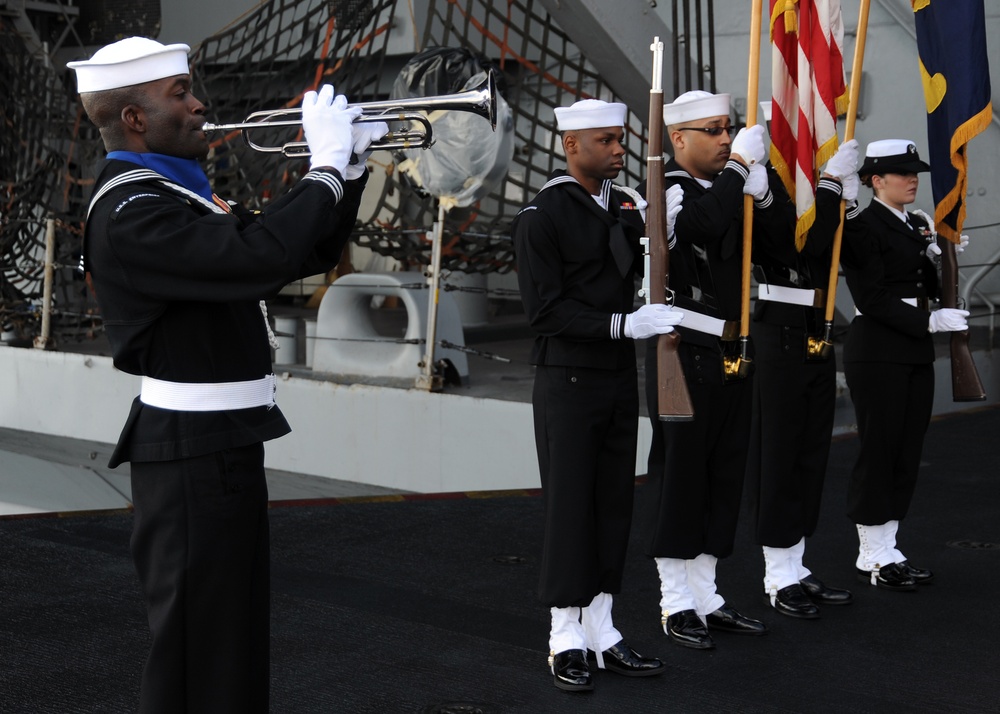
x=908, y=301
x=208, y=397
x=703, y=323
x=792, y=296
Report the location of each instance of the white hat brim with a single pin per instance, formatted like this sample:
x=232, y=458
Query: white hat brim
x=113, y=73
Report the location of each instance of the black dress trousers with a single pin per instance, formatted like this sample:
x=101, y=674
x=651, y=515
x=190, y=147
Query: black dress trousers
x=585, y=432
x=893, y=403
x=696, y=469
x=201, y=536
x=793, y=407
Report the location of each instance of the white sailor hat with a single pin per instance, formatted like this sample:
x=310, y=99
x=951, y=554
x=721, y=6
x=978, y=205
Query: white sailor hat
x=696, y=104
x=590, y=114
x=892, y=156
x=134, y=60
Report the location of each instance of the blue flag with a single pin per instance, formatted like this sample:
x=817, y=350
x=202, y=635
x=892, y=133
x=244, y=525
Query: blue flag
x=951, y=41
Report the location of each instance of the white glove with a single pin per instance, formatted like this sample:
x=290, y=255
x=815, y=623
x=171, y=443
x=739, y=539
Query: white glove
x=963, y=243
x=653, y=319
x=845, y=161
x=851, y=183
x=756, y=184
x=749, y=144
x=363, y=133
x=674, y=197
x=327, y=123
x=948, y=319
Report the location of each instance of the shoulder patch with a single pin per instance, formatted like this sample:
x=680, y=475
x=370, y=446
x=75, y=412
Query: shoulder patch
x=127, y=201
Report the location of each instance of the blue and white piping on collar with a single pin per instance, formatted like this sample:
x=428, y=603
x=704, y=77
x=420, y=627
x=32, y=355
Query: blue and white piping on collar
x=331, y=181
x=606, y=185
x=730, y=164
x=146, y=175
x=678, y=173
x=681, y=173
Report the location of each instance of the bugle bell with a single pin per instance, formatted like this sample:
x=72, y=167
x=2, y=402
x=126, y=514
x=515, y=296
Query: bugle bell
x=481, y=100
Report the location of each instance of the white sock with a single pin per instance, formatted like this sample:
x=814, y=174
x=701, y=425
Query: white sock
x=872, y=553
x=779, y=570
x=598, y=627
x=675, y=595
x=701, y=580
x=798, y=553
x=567, y=632
x=889, y=532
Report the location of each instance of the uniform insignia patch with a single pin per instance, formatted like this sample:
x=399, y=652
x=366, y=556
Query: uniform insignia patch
x=120, y=206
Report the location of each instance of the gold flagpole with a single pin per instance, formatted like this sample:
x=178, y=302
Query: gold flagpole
x=852, y=113
x=741, y=368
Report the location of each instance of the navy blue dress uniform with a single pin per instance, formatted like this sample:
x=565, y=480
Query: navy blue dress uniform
x=696, y=469
x=180, y=276
x=794, y=395
x=578, y=258
x=888, y=358
x=585, y=395
x=189, y=310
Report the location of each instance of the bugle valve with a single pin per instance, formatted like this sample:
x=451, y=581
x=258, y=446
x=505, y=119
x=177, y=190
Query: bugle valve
x=481, y=100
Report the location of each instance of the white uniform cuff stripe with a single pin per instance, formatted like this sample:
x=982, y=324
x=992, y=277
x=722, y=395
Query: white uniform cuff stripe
x=329, y=180
x=831, y=185
x=740, y=168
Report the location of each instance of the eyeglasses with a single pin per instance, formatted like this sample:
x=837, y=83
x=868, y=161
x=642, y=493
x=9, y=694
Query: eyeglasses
x=710, y=130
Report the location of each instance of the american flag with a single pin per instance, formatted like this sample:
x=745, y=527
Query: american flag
x=808, y=93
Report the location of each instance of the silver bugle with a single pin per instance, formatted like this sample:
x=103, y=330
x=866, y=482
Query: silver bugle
x=481, y=100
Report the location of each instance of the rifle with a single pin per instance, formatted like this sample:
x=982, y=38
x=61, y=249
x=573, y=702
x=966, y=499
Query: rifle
x=673, y=399
x=965, y=383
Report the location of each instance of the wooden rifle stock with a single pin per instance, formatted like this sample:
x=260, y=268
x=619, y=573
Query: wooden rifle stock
x=965, y=383
x=673, y=399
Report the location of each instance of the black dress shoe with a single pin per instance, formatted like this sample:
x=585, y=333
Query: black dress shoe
x=623, y=659
x=921, y=576
x=889, y=577
x=792, y=601
x=820, y=594
x=729, y=619
x=571, y=672
x=686, y=629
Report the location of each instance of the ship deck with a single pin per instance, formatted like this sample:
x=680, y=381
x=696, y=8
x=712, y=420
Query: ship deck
x=426, y=603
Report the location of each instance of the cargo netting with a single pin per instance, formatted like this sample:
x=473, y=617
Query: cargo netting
x=267, y=59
